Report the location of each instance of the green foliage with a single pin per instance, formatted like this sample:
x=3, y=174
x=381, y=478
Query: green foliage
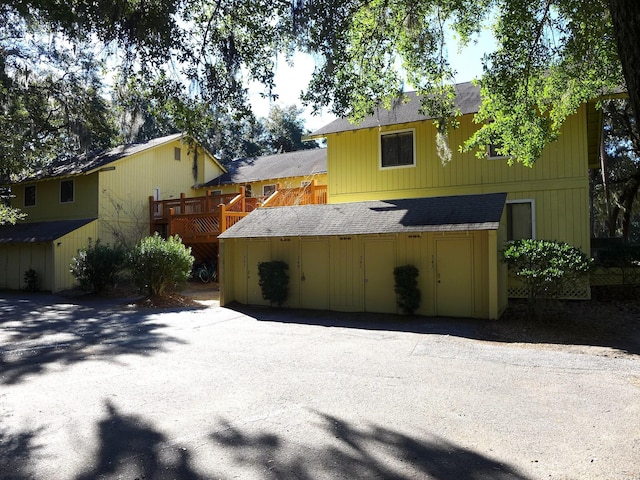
x=284, y=129
x=98, y=267
x=545, y=267
x=160, y=266
x=274, y=281
x=31, y=281
x=406, y=288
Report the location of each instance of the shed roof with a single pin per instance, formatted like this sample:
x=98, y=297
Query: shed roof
x=432, y=214
x=301, y=163
x=406, y=110
x=37, y=232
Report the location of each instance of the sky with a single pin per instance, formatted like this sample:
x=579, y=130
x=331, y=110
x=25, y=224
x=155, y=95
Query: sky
x=291, y=80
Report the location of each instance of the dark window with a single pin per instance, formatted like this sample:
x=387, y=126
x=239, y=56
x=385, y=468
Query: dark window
x=396, y=149
x=267, y=190
x=177, y=152
x=30, y=196
x=519, y=220
x=66, y=191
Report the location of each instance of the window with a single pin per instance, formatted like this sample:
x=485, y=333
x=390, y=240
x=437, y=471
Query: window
x=267, y=190
x=492, y=151
x=30, y=196
x=520, y=220
x=305, y=183
x=177, y=152
x=66, y=191
x=397, y=149
x=247, y=190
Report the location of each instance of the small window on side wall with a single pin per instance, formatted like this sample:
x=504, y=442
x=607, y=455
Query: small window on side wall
x=492, y=151
x=30, y=196
x=268, y=190
x=397, y=149
x=520, y=220
x=177, y=153
x=66, y=191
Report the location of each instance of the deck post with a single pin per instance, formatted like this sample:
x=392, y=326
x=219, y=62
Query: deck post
x=152, y=215
x=223, y=217
x=182, y=205
x=314, y=200
x=170, y=222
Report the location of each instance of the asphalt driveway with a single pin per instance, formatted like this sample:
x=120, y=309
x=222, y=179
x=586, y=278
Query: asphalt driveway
x=93, y=389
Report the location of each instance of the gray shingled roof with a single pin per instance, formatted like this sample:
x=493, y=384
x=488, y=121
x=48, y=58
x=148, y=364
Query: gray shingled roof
x=37, y=232
x=64, y=167
x=433, y=214
x=467, y=101
x=301, y=163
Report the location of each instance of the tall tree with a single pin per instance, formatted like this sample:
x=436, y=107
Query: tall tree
x=622, y=173
x=284, y=129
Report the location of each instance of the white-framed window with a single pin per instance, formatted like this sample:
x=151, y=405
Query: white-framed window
x=305, y=183
x=30, y=196
x=177, y=153
x=398, y=149
x=67, y=191
x=268, y=190
x=521, y=223
x=247, y=191
x=216, y=193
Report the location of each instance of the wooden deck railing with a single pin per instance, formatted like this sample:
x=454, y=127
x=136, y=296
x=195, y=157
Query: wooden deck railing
x=308, y=195
x=202, y=219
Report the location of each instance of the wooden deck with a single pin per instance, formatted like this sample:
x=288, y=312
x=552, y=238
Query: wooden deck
x=199, y=220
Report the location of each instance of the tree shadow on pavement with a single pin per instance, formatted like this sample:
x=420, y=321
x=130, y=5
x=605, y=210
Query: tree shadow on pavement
x=17, y=451
x=357, y=452
x=132, y=448
x=36, y=332
x=615, y=325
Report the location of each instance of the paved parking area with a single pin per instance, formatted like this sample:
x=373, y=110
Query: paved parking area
x=92, y=390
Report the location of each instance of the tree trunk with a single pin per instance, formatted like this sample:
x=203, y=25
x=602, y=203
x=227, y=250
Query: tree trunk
x=627, y=200
x=625, y=16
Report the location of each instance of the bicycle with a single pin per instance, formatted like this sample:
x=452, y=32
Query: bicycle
x=207, y=273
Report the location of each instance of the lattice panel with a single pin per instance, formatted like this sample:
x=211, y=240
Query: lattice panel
x=578, y=291
x=615, y=276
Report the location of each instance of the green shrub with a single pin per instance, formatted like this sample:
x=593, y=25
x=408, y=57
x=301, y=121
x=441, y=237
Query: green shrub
x=406, y=288
x=31, y=280
x=160, y=266
x=97, y=268
x=274, y=281
x=545, y=267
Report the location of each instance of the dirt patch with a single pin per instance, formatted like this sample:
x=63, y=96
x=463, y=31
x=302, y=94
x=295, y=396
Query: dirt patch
x=608, y=325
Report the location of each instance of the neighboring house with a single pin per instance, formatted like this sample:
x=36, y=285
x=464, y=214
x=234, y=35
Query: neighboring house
x=392, y=202
x=262, y=176
x=103, y=196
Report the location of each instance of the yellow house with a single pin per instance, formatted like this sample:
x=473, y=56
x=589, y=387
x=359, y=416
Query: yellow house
x=262, y=176
x=103, y=196
x=389, y=163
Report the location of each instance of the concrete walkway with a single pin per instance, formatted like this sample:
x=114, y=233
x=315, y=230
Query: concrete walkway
x=93, y=389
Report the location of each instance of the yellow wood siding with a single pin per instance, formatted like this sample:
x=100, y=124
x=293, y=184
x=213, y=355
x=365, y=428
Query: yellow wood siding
x=124, y=192
x=355, y=175
x=344, y=261
x=64, y=249
x=15, y=260
x=48, y=206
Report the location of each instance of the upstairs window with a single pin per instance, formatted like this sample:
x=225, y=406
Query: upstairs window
x=520, y=220
x=397, y=149
x=66, y=191
x=30, y=196
x=177, y=153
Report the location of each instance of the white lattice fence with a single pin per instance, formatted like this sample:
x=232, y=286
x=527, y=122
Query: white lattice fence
x=579, y=290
